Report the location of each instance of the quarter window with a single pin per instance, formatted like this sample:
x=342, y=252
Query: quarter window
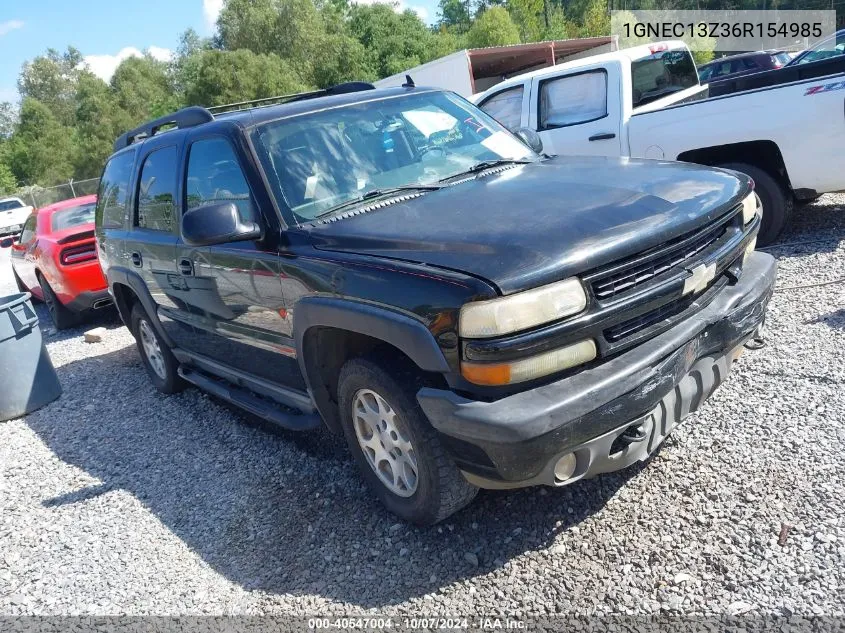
x=157, y=191
x=505, y=107
x=113, y=194
x=214, y=175
x=573, y=99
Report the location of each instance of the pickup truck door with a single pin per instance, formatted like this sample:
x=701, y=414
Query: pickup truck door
x=578, y=111
x=23, y=254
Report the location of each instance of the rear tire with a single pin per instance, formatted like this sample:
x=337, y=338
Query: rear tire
x=388, y=433
x=63, y=317
x=162, y=367
x=777, y=202
x=21, y=286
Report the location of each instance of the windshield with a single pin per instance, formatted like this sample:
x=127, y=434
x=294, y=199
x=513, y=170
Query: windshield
x=73, y=216
x=8, y=205
x=662, y=74
x=320, y=160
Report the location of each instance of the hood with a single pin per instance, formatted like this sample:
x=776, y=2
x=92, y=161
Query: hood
x=533, y=224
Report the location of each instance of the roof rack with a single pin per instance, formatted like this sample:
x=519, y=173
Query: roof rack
x=351, y=86
x=186, y=117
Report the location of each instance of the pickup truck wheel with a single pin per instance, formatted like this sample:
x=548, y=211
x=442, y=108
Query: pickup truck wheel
x=158, y=360
x=396, y=449
x=63, y=318
x=776, y=201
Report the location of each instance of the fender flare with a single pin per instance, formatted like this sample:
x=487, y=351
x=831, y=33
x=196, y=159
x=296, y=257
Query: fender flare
x=131, y=279
x=403, y=332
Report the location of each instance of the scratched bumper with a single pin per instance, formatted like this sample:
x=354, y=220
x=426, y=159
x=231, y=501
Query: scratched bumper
x=517, y=440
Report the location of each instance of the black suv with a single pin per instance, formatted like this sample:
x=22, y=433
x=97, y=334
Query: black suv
x=396, y=265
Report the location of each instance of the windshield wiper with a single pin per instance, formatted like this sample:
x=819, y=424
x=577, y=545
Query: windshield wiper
x=377, y=193
x=487, y=164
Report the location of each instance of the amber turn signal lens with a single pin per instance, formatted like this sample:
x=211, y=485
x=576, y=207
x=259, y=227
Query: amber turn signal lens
x=529, y=368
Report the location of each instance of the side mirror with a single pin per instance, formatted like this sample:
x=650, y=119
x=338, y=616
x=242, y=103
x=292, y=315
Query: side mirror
x=217, y=223
x=7, y=242
x=530, y=138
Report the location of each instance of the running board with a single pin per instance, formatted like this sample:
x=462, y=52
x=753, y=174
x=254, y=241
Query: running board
x=264, y=409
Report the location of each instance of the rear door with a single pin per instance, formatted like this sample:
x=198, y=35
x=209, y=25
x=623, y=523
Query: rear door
x=234, y=292
x=578, y=112
x=151, y=242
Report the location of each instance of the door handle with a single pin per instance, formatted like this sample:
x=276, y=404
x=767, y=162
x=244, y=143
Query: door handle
x=186, y=267
x=603, y=136
x=136, y=260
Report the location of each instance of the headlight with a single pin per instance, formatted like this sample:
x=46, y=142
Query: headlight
x=521, y=311
x=530, y=368
x=750, y=205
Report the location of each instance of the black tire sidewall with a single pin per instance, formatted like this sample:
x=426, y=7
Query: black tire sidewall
x=62, y=317
x=172, y=383
x=422, y=506
x=775, y=201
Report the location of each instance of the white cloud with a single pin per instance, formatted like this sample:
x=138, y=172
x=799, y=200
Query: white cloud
x=9, y=26
x=104, y=65
x=211, y=10
x=399, y=6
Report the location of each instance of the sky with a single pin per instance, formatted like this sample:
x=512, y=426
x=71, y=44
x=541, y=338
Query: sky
x=108, y=31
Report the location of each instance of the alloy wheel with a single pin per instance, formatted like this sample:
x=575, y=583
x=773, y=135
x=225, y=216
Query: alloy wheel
x=152, y=350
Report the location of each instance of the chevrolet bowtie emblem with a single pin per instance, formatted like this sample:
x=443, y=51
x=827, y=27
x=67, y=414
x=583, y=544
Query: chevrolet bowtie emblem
x=700, y=277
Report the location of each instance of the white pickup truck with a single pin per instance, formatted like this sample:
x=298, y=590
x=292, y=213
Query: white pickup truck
x=784, y=128
x=13, y=213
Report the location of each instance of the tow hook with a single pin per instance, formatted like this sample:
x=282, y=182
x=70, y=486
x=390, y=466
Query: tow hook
x=757, y=341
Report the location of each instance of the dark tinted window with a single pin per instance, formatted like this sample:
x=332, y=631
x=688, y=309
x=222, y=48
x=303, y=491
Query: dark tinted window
x=157, y=191
x=73, y=216
x=8, y=205
x=781, y=59
x=662, y=74
x=28, y=230
x=113, y=194
x=214, y=175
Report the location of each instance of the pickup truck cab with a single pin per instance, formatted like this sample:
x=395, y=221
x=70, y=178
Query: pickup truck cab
x=396, y=265
x=784, y=128
x=13, y=214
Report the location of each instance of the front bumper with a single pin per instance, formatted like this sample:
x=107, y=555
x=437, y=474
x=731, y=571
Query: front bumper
x=516, y=441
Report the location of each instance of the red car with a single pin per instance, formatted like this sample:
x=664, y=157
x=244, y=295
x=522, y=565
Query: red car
x=54, y=258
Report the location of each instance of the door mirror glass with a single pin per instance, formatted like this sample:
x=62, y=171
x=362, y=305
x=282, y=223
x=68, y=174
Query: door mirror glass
x=217, y=223
x=7, y=242
x=530, y=138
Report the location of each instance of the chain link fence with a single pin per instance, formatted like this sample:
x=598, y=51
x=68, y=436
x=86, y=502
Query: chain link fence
x=42, y=196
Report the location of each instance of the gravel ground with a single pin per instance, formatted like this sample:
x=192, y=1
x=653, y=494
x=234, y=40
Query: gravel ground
x=118, y=500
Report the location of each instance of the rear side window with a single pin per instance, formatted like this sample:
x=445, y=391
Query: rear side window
x=28, y=230
x=505, y=107
x=662, y=74
x=113, y=194
x=8, y=205
x=574, y=99
x=214, y=175
x=72, y=216
x=781, y=59
x=157, y=191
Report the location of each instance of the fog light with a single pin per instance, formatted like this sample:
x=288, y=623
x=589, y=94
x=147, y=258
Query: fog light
x=748, y=250
x=565, y=467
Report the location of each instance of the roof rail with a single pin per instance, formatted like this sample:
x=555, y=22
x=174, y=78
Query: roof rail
x=351, y=86
x=186, y=117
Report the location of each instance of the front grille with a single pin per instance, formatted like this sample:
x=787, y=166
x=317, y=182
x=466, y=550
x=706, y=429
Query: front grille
x=641, y=269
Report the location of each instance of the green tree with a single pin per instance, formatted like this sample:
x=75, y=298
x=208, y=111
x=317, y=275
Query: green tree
x=231, y=76
x=100, y=119
x=529, y=17
x=143, y=88
x=494, y=27
x=8, y=184
x=596, y=20
x=51, y=79
x=393, y=42
x=454, y=14
x=40, y=151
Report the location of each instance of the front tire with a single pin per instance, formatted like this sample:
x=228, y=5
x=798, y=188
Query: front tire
x=162, y=367
x=63, y=317
x=395, y=447
x=777, y=202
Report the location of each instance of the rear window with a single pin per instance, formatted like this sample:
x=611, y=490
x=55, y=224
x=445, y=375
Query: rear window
x=73, y=216
x=781, y=59
x=8, y=205
x=662, y=74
